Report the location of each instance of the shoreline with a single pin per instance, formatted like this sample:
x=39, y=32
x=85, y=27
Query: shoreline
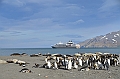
x=8, y=51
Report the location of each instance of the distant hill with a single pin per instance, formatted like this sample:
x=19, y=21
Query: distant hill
x=109, y=40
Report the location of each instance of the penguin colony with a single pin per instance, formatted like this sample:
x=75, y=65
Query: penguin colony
x=84, y=61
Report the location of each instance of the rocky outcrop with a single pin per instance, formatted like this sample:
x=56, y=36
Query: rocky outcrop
x=109, y=40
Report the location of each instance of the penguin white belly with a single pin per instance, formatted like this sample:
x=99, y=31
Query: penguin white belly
x=69, y=65
x=80, y=62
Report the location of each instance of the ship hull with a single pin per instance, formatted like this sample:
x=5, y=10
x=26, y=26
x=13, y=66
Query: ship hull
x=63, y=47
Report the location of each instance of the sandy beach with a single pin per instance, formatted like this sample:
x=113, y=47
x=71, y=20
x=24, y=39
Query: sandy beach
x=11, y=71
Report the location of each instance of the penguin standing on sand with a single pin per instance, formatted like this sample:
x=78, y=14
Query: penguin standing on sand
x=55, y=65
x=65, y=63
x=69, y=64
x=75, y=65
x=80, y=61
x=48, y=65
x=106, y=64
x=109, y=62
x=100, y=64
x=46, y=60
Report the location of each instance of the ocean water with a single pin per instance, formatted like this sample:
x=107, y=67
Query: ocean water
x=8, y=51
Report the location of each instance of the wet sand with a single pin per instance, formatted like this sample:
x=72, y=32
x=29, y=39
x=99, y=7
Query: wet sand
x=11, y=71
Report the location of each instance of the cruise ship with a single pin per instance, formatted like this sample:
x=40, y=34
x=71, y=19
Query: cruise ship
x=69, y=44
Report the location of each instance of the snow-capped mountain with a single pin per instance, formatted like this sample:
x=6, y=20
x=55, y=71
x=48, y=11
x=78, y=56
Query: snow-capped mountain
x=109, y=40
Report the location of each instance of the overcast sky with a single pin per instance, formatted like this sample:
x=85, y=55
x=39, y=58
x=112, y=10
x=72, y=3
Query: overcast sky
x=42, y=23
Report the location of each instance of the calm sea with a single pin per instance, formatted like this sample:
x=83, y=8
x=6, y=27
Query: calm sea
x=8, y=51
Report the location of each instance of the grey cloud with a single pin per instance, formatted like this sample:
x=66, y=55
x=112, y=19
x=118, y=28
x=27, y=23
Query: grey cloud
x=2, y=36
x=71, y=36
x=15, y=32
x=17, y=3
